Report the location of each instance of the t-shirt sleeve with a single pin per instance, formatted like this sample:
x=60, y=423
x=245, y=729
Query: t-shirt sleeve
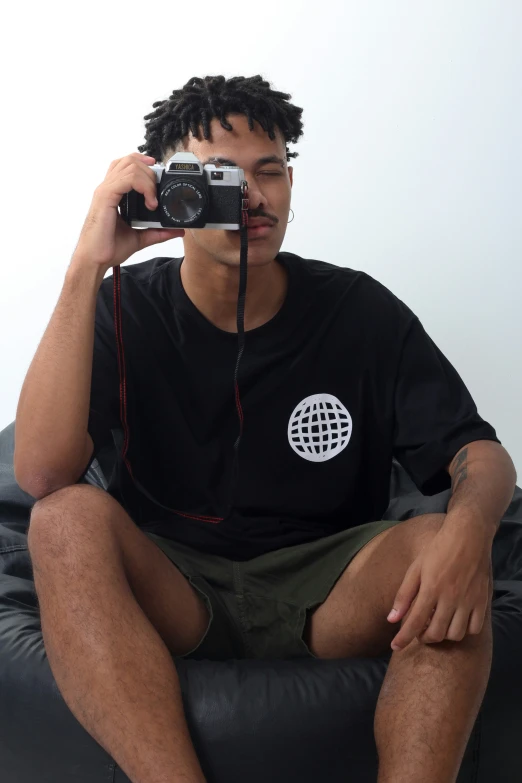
x=104, y=407
x=435, y=415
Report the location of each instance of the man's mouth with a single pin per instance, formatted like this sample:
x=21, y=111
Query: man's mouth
x=255, y=231
x=259, y=231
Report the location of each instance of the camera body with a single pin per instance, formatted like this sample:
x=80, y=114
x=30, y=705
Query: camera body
x=190, y=195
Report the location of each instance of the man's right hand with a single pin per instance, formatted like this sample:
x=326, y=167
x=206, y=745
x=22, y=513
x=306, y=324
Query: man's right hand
x=106, y=240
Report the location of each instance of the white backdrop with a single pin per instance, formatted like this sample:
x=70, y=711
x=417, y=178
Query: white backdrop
x=410, y=167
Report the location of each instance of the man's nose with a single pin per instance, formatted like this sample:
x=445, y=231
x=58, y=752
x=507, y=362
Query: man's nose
x=256, y=199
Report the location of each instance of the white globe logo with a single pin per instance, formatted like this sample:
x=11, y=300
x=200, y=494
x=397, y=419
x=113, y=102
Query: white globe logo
x=319, y=428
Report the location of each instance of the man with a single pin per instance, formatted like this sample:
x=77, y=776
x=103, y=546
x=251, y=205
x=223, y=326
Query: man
x=290, y=556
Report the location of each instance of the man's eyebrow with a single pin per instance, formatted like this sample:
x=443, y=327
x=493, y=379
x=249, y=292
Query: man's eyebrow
x=217, y=159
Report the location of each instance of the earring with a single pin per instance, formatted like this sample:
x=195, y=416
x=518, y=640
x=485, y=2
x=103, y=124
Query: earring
x=292, y=211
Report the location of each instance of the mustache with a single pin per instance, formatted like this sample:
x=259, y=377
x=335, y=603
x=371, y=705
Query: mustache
x=261, y=214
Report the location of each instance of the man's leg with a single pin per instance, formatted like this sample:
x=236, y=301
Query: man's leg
x=427, y=707
x=432, y=692
x=114, y=610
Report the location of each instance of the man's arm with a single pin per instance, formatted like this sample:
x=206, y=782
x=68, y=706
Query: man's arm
x=450, y=580
x=52, y=444
x=483, y=479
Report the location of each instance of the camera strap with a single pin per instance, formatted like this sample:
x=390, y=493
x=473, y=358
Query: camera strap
x=123, y=458
x=241, y=300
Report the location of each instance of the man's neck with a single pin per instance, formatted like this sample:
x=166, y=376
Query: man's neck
x=213, y=288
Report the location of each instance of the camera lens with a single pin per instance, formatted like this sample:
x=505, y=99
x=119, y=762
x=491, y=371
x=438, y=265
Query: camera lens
x=183, y=202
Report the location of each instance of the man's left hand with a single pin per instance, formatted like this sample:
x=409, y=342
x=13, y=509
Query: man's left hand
x=448, y=587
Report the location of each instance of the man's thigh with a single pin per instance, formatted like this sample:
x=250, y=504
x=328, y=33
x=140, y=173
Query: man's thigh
x=82, y=529
x=352, y=621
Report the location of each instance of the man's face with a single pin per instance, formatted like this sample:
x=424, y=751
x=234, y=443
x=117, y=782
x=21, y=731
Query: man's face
x=269, y=189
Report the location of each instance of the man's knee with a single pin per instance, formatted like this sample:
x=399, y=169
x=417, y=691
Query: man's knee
x=53, y=516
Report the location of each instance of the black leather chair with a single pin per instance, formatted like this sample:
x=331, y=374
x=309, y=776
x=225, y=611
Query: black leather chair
x=283, y=721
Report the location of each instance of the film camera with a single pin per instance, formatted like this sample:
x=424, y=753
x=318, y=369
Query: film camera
x=190, y=195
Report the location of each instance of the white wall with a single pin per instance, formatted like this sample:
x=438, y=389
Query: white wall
x=413, y=124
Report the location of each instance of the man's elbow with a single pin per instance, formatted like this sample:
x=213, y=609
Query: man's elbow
x=39, y=485
x=35, y=485
x=39, y=479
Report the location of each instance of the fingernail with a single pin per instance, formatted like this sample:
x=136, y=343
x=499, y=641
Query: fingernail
x=395, y=647
x=393, y=613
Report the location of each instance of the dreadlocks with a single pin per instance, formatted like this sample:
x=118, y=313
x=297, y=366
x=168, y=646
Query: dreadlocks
x=200, y=100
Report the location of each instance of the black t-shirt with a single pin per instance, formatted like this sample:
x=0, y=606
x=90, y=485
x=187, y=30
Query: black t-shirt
x=343, y=378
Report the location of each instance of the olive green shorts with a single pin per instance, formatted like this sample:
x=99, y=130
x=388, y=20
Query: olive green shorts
x=258, y=608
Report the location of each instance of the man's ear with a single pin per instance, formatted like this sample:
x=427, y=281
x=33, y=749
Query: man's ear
x=291, y=175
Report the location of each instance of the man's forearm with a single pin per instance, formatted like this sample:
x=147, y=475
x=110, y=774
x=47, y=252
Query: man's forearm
x=483, y=479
